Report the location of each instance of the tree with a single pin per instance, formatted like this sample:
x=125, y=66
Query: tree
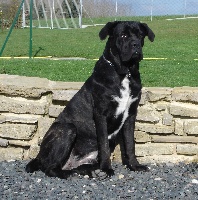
x=1, y=18
x=41, y=11
x=66, y=10
x=13, y=7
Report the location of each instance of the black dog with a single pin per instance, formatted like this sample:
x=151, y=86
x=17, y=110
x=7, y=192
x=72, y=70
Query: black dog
x=102, y=113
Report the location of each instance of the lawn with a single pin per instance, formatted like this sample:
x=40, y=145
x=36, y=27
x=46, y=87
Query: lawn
x=175, y=40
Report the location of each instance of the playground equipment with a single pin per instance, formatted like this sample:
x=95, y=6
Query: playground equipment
x=47, y=14
x=61, y=14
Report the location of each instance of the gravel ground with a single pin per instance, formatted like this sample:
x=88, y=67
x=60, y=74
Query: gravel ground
x=164, y=181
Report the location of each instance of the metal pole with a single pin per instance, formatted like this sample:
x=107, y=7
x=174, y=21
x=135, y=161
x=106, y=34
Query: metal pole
x=80, y=14
x=11, y=28
x=151, y=10
x=184, y=8
x=51, y=14
x=116, y=10
x=30, y=47
x=23, y=16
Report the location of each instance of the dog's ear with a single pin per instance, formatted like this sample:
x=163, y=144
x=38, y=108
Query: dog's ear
x=148, y=32
x=107, y=30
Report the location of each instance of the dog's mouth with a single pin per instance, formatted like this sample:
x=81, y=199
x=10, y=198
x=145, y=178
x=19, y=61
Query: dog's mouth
x=134, y=57
x=137, y=56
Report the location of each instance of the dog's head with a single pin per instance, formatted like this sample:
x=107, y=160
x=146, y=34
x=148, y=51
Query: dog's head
x=126, y=38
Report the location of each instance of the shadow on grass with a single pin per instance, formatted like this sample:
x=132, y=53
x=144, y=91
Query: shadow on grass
x=37, y=52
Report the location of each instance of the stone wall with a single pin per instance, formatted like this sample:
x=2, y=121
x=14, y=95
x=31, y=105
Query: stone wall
x=166, y=127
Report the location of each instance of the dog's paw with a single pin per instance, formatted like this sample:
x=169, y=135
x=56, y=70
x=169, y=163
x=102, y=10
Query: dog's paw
x=138, y=168
x=102, y=174
x=109, y=172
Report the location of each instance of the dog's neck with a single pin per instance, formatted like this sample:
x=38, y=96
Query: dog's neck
x=107, y=60
x=127, y=68
x=132, y=73
x=128, y=73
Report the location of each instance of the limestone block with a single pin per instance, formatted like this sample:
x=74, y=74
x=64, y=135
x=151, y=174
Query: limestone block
x=179, y=127
x=116, y=155
x=161, y=106
x=59, y=85
x=147, y=113
x=183, y=109
x=63, y=95
x=154, y=128
x=167, y=119
x=33, y=151
x=4, y=142
x=23, y=86
x=23, y=106
x=11, y=153
x=187, y=149
x=166, y=159
x=17, y=131
x=20, y=143
x=185, y=94
x=144, y=97
x=2, y=119
x=156, y=94
x=21, y=118
x=151, y=149
x=43, y=126
x=191, y=127
x=142, y=137
x=195, y=158
x=32, y=86
x=55, y=110
x=174, y=139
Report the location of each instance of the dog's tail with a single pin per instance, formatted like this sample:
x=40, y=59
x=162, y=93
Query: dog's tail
x=33, y=165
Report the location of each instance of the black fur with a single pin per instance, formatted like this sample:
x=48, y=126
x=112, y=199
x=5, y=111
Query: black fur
x=78, y=139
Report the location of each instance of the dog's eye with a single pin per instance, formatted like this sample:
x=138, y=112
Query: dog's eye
x=124, y=36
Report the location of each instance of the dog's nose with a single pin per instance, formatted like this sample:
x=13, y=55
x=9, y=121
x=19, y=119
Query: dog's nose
x=136, y=46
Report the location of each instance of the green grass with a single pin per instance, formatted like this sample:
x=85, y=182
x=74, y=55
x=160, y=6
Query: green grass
x=58, y=70
x=57, y=43
x=155, y=73
x=175, y=40
x=169, y=73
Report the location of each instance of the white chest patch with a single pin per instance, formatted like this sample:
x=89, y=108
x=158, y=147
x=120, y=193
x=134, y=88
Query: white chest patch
x=124, y=102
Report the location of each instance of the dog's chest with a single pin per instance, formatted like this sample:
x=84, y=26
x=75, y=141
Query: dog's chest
x=124, y=101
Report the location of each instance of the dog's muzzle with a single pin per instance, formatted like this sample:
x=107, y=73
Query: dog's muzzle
x=137, y=52
x=137, y=55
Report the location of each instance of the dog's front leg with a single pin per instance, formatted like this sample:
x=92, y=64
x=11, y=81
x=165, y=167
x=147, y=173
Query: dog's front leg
x=103, y=144
x=128, y=146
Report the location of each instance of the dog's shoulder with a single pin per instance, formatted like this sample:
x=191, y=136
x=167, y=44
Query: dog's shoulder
x=104, y=72
x=104, y=68
x=104, y=77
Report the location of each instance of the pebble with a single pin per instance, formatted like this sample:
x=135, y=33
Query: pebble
x=195, y=181
x=121, y=176
x=163, y=181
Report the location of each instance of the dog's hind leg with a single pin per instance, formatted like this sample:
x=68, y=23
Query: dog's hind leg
x=55, y=150
x=32, y=166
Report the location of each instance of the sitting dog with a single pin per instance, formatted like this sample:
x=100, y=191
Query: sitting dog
x=102, y=114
